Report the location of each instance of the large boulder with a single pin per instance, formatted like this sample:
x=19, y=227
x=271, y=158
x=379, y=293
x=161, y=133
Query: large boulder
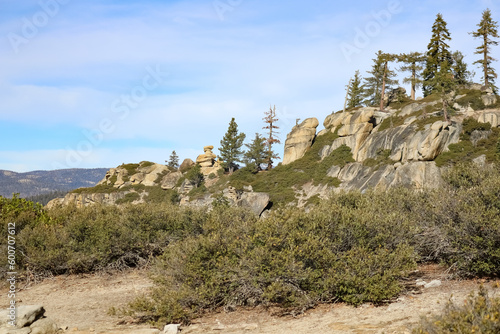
x=186, y=165
x=256, y=202
x=299, y=140
x=490, y=116
x=152, y=173
x=44, y=326
x=170, y=180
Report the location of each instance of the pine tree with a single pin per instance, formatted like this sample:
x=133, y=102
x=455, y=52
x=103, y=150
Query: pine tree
x=460, y=71
x=256, y=155
x=488, y=29
x=413, y=63
x=381, y=79
x=387, y=76
x=195, y=176
x=355, y=92
x=446, y=84
x=173, y=160
x=271, y=120
x=437, y=54
x=230, y=150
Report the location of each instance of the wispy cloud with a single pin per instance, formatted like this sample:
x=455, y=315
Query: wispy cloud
x=288, y=54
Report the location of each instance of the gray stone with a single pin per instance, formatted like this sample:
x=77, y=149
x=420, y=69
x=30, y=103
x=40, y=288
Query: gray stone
x=186, y=187
x=333, y=171
x=152, y=173
x=170, y=180
x=256, y=202
x=489, y=100
x=171, y=329
x=44, y=326
x=27, y=314
x=433, y=284
x=480, y=160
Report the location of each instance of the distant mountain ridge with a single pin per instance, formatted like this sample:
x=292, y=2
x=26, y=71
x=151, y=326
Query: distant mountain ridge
x=41, y=182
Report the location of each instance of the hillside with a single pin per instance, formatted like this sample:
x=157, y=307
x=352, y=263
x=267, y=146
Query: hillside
x=407, y=145
x=42, y=182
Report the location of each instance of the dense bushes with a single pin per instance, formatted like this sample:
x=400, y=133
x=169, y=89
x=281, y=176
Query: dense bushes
x=71, y=240
x=292, y=258
x=353, y=247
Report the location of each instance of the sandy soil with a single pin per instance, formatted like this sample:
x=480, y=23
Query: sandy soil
x=81, y=303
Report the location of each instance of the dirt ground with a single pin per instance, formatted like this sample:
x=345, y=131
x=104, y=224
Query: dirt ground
x=80, y=304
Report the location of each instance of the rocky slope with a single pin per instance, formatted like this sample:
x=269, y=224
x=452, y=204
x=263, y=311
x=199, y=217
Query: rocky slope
x=397, y=147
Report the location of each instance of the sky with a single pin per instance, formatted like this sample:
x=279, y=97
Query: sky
x=87, y=84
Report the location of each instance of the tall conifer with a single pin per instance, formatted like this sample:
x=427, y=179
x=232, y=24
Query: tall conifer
x=413, y=63
x=355, y=92
x=437, y=54
x=230, y=150
x=381, y=79
x=488, y=29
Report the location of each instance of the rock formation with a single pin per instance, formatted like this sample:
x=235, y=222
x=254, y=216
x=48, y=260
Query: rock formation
x=208, y=162
x=186, y=165
x=299, y=140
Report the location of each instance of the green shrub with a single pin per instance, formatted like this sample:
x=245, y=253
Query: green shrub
x=381, y=159
x=464, y=151
x=194, y=175
x=280, y=181
x=470, y=125
x=391, y=122
x=145, y=164
x=479, y=314
x=472, y=98
x=422, y=121
x=471, y=216
x=293, y=259
x=131, y=168
x=129, y=198
x=72, y=240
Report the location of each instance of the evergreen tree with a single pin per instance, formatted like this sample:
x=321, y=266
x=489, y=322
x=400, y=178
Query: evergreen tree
x=488, y=29
x=460, y=72
x=387, y=76
x=271, y=120
x=195, y=176
x=173, y=160
x=413, y=63
x=256, y=154
x=355, y=92
x=230, y=150
x=446, y=84
x=381, y=79
x=437, y=54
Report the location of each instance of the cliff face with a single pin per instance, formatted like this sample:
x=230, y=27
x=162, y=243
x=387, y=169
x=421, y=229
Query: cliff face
x=390, y=149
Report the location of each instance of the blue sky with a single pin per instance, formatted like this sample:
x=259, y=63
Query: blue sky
x=99, y=83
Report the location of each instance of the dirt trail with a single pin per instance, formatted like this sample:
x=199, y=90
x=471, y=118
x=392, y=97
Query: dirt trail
x=81, y=304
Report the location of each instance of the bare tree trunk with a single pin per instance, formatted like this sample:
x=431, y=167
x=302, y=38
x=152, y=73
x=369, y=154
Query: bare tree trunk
x=413, y=85
x=486, y=83
x=382, y=94
x=347, y=93
x=445, y=107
